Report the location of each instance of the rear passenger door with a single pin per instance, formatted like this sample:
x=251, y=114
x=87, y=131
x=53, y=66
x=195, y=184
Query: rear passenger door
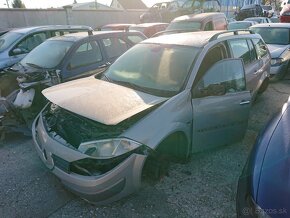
x=86, y=59
x=243, y=48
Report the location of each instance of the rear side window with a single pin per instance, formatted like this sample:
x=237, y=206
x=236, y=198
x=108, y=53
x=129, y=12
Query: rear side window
x=208, y=26
x=252, y=50
x=240, y=49
x=114, y=47
x=86, y=54
x=260, y=47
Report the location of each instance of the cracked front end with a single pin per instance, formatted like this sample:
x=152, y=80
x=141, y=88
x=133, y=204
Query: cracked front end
x=88, y=157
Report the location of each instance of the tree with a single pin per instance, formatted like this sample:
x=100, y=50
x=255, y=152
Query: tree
x=18, y=4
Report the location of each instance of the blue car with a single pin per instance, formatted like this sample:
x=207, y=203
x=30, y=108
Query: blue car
x=17, y=43
x=264, y=186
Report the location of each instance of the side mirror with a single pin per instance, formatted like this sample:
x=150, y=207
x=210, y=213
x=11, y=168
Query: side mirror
x=17, y=51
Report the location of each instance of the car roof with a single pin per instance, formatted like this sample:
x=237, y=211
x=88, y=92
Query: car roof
x=284, y=25
x=254, y=18
x=149, y=24
x=201, y=16
x=195, y=39
x=118, y=25
x=244, y=21
x=81, y=35
x=49, y=27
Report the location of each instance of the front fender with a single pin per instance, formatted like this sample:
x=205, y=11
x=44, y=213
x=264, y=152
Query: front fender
x=175, y=115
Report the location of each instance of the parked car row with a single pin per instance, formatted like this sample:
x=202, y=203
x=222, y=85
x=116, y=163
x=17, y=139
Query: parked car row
x=186, y=89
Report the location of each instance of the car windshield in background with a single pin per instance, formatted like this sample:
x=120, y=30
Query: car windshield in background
x=137, y=28
x=278, y=36
x=239, y=25
x=40, y=57
x=184, y=25
x=258, y=20
x=153, y=68
x=7, y=39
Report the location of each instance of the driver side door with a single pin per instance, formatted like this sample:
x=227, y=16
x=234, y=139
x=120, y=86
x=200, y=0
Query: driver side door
x=221, y=105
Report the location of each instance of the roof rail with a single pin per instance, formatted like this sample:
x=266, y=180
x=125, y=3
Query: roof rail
x=234, y=32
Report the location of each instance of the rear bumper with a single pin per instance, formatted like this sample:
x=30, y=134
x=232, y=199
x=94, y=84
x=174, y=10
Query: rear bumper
x=113, y=185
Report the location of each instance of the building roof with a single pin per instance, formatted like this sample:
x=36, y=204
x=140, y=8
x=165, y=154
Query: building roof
x=132, y=4
x=89, y=5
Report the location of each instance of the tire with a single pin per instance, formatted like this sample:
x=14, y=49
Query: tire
x=264, y=86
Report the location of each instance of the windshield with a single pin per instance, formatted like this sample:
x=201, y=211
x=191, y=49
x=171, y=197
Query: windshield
x=239, y=25
x=153, y=68
x=137, y=28
x=278, y=36
x=8, y=39
x=48, y=54
x=184, y=25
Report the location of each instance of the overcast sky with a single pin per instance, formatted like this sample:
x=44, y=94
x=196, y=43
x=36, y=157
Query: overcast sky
x=59, y=3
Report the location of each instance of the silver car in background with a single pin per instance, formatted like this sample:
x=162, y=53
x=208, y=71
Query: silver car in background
x=167, y=96
x=276, y=36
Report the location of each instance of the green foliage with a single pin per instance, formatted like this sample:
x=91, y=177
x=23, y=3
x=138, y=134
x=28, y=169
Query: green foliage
x=18, y=4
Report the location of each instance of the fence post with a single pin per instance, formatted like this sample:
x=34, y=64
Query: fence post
x=68, y=14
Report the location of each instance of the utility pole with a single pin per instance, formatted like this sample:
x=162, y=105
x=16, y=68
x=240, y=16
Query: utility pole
x=7, y=4
x=96, y=4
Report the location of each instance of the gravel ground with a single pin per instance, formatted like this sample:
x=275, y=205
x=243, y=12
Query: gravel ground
x=204, y=187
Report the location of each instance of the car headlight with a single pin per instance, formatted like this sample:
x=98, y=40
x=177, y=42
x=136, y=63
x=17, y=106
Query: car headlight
x=108, y=148
x=277, y=61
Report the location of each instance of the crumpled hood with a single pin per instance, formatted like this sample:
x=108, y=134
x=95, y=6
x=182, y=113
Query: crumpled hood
x=276, y=50
x=102, y=101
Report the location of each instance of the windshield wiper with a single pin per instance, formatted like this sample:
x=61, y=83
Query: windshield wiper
x=34, y=65
x=152, y=91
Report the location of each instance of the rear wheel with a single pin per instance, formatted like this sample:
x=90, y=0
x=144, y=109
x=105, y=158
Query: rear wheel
x=264, y=86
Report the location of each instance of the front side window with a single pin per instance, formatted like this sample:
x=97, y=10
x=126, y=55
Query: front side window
x=31, y=42
x=114, y=47
x=87, y=54
x=225, y=76
x=8, y=39
x=40, y=57
x=261, y=47
x=153, y=68
x=240, y=49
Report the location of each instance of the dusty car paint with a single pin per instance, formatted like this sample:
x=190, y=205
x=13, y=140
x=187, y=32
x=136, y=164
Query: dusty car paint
x=199, y=122
x=121, y=103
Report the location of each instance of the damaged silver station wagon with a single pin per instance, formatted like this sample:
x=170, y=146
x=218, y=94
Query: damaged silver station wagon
x=167, y=96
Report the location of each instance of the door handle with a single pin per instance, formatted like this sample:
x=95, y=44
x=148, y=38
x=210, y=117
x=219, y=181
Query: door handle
x=245, y=102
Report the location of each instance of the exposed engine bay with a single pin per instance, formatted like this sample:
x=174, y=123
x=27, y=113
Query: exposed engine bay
x=75, y=129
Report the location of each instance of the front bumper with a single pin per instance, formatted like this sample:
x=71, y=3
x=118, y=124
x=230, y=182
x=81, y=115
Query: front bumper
x=113, y=185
